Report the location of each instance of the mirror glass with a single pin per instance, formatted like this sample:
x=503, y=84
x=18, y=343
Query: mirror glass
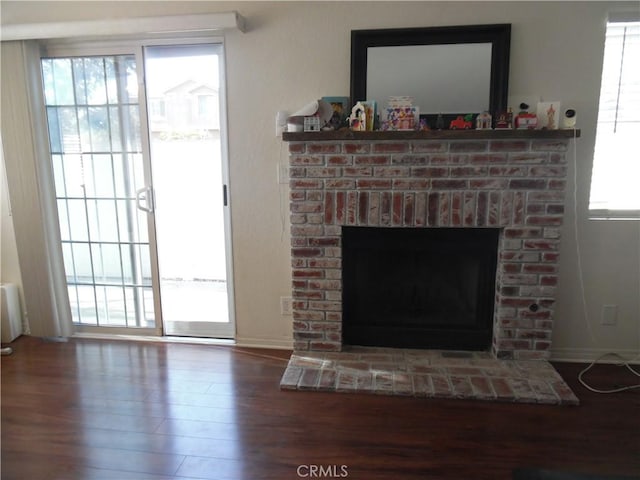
x=449, y=70
x=440, y=78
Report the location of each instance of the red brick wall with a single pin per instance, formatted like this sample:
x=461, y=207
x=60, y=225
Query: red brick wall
x=515, y=185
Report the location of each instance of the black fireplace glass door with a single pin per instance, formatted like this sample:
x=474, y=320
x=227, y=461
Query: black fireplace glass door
x=419, y=288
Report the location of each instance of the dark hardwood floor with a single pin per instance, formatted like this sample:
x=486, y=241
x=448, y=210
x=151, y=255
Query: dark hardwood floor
x=89, y=409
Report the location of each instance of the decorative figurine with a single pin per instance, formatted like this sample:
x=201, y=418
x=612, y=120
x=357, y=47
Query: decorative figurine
x=462, y=123
x=483, y=121
x=440, y=122
x=526, y=120
x=505, y=120
x=358, y=118
x=548, y=115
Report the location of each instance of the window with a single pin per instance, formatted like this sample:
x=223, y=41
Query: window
x=616, y=164
x=205, y=105
x=158, y=108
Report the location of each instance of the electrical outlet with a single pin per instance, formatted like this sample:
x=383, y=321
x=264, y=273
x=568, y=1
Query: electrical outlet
x=286, y=305
x=609, y=315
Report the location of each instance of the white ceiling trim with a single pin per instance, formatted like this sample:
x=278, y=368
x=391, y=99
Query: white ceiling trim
x=206, y=22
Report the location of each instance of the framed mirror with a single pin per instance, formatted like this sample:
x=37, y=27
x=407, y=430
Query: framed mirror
x=446, y=70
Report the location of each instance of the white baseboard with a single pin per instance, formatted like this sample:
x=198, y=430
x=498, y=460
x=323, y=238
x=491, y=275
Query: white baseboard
x=248, y=342
x=588, y=355
x=154, y=338
x=272, y=343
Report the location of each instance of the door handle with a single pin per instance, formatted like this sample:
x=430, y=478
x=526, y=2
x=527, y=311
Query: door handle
x=145, y=194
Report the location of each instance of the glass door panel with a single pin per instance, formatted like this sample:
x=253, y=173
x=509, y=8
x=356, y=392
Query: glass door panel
x=95, y=142
x=183, y=100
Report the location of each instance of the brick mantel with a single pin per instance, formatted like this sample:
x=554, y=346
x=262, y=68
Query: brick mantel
x=513, y=180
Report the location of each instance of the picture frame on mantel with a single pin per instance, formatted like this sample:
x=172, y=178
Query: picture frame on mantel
x=341, y=110
x=548, y=114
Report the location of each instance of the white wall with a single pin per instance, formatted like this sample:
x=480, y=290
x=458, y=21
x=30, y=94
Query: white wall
x=295, y=52
x=9, y=266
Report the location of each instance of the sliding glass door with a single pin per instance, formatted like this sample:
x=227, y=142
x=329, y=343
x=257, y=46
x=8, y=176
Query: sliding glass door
x=139, y=176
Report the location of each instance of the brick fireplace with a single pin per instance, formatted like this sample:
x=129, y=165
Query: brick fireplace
x=514, y=181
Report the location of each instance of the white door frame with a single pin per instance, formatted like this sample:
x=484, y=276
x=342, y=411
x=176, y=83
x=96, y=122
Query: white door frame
x=135, y=47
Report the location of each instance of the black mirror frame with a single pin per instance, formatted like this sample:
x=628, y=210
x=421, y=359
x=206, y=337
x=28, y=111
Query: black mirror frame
x=499, y=35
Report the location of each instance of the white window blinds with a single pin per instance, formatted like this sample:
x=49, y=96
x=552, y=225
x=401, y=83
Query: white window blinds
x=615, y=192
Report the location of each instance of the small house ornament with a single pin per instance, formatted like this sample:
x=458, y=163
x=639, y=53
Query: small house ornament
x=526, y=120
x=483, y=121
x=358, y=118
x=312, y=123
x=504, y=121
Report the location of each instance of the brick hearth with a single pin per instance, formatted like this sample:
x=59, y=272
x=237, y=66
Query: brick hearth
x=427, y=373
x=514, y=181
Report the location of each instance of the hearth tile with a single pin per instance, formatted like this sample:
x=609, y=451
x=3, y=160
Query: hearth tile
x=360, y=349
x=544, y=392
x=502, y=389
x=364, y=382
x=309, y=379
x=450, y=361
x=463, y=370
x=521, y=389
x=390, y=367
x=291, y=377
x=441, y=386
x=531, y=369
x=402, y=384
x=421, y=355
x=461, y=386
x=354, y=365
x=484, y=363
x=383, y=382
x=328, y=377
x=418, y=362
x=497, y=371
x=422, y=386
x=309, y=361
x=376, y=357
x=565, y=394
x=457, y=354
x=346, y=381
x=344, y=355
x=417, y=369
x=481, y=356
x=482, y=387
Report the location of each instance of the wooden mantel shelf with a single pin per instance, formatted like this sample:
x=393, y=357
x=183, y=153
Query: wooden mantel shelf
x=428, y=135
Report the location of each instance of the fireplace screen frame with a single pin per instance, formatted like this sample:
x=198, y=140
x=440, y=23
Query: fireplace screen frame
x=364, y=320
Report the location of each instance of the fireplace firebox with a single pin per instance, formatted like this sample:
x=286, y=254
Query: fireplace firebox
x=419, y=288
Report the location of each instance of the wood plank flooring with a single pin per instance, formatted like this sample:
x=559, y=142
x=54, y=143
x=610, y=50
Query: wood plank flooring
x=98, y=409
